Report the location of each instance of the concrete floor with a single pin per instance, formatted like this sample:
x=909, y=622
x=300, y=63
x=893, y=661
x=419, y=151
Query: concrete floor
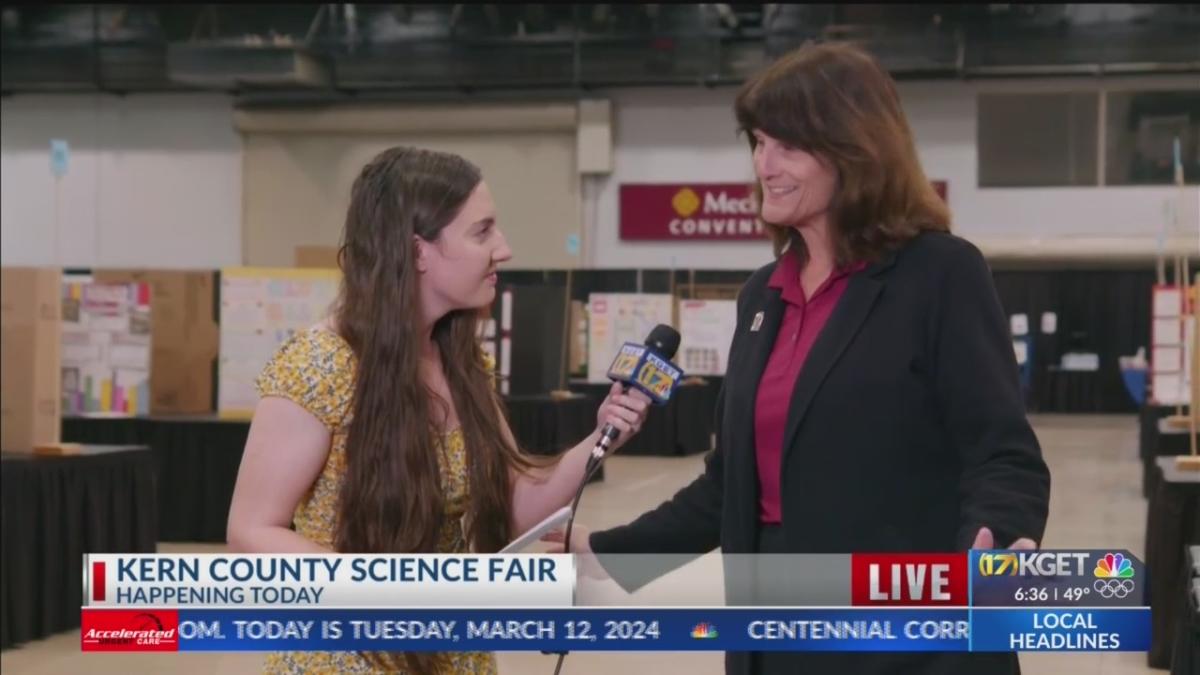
x=1096, y=503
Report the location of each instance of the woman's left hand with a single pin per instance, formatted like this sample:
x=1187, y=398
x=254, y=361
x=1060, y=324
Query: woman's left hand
x=625, y=411
x=984, y=539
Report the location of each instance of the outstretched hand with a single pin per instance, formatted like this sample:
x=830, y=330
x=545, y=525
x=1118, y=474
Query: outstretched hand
x=581, y=546
x=986, y=540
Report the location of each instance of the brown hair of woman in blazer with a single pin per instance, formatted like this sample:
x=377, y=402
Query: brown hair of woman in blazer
x=904, y=429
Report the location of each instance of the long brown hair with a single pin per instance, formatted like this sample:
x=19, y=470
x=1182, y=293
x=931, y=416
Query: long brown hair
x=391, y=500
x=835, y=101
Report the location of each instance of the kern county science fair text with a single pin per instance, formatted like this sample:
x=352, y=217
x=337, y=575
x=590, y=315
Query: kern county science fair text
x=984, y=601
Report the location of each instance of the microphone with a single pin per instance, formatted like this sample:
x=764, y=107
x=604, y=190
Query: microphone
x=646, y=367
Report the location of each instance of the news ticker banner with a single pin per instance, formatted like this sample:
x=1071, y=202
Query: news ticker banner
x=976, y=601
x=899, y=629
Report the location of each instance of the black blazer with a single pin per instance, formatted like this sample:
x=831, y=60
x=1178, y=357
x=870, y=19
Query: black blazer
x=906, y=432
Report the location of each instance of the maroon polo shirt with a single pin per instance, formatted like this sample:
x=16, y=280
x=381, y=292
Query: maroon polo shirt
x=803, y=319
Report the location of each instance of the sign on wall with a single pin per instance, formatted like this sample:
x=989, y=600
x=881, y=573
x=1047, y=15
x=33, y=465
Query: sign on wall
x=695, y=211
x=689, y=212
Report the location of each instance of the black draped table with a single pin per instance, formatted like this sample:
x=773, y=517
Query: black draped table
x=1186, y=654
x=1172, y=524
x=1070, y=391
x=1148, y=417
x=55, y=509
x=1159, y=439
x=546, y=425
x=684, y=426
x=197, y=456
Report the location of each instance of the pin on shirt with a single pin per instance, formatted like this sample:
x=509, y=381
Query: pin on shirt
x=757, y=323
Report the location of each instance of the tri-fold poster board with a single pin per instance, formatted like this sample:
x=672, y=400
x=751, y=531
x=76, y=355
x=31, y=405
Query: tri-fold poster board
x=105, y=347
x=707, y=328
x=1172, y=332
x=617, y=318
x=261, y=309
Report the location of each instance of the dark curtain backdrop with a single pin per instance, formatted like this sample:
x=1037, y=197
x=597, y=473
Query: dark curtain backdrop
x=1102, y=309
x=1106, y=311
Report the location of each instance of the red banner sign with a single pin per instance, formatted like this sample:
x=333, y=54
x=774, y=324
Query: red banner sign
x=695, y=211
x=689, y=212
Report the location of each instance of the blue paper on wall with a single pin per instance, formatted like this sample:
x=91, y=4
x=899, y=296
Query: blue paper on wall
x=60, y=156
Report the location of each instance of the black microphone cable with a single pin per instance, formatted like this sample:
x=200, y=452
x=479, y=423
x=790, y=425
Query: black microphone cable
x=595, y=461
x=665, y=341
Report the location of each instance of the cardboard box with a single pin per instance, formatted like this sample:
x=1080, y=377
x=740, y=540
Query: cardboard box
x=30, y=372
x=318, y=257
x=184, y=337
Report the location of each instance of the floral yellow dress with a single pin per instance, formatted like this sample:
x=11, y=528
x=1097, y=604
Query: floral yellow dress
x=316, y=370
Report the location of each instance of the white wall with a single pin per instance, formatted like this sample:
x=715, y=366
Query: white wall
x=157, y=180
x=668, y=136
x=153, y=181
x=682, y=135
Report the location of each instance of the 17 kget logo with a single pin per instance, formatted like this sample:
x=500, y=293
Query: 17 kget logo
x=129, y=630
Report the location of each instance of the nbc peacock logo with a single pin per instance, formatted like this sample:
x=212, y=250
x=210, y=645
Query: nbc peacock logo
x=704, y=631
x=1114, y=577
x=1114, y=566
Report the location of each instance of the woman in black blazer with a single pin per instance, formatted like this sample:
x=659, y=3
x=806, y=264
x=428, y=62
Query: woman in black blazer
x=871, y=401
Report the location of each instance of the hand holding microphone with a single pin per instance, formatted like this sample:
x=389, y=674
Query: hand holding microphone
x=647, y=371
x=621, y=414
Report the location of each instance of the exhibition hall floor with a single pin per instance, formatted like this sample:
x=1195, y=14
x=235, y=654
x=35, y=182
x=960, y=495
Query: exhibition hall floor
x=1096, y=502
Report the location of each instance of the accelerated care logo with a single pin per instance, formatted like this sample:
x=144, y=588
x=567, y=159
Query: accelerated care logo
x=689, y=212
x=129, y=630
